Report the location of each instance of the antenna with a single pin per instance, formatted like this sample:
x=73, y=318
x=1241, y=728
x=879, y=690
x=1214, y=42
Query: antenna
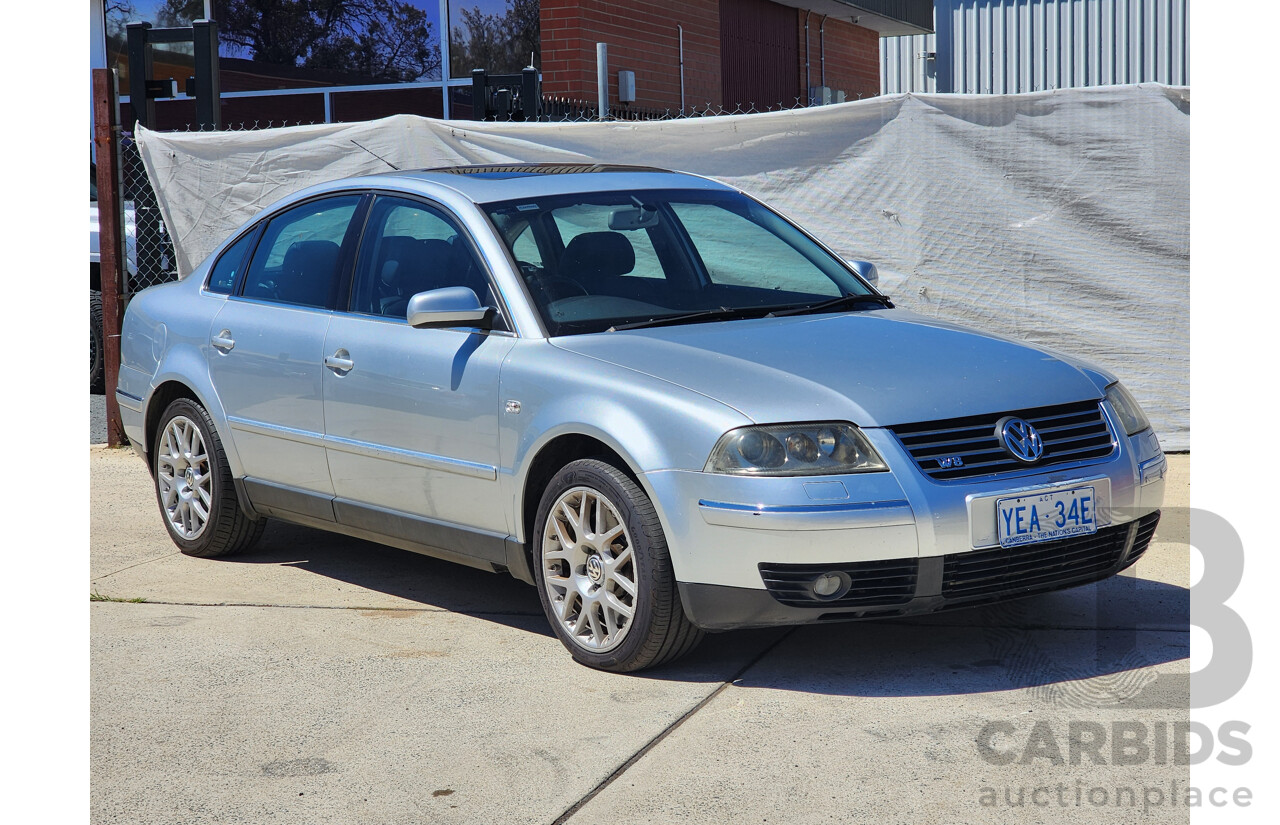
x=379, y=157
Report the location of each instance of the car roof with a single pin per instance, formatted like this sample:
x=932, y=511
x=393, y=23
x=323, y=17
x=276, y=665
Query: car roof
x=501, y=182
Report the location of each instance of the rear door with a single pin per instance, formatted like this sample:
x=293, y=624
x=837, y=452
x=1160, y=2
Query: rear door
x=266, y=353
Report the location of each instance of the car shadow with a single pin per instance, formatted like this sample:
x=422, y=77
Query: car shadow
x=1099, y=644
x=413, y=577
x=1124, y=642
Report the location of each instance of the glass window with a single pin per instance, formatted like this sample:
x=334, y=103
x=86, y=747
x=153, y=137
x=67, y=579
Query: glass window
x=408, y=248
x=298, y=258
x=669, y=256
x=223, y=276
x=294, y=44
x=738, y=251
x=582, y=219
x=525, y=248
x=499, y=36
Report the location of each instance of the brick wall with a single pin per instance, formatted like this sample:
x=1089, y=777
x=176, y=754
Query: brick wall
x=853, y=56
x=642, y=38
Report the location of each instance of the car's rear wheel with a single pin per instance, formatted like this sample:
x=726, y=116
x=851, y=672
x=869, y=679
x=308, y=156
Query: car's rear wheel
x=97, y=361
x=604, y=573
x=194, y=488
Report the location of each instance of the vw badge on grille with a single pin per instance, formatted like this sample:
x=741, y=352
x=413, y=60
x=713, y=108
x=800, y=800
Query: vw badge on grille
x=1020, y=439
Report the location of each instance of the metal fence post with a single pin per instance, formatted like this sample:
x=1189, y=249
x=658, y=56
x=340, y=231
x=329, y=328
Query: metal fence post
x=204, y=35
x=106, y=136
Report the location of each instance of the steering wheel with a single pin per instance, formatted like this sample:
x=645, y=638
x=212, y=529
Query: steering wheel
x=552, y=287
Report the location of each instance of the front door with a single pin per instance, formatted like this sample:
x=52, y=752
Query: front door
x=411, y=415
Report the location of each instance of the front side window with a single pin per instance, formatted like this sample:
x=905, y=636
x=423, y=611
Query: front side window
x=410, y=247
x=299, y=258
x=667, y=256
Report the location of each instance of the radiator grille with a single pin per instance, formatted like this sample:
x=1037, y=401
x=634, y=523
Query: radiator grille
x=1070, y=432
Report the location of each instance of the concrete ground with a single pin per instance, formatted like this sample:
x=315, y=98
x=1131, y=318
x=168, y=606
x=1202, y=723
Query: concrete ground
x=97, y=419
x=323, y=679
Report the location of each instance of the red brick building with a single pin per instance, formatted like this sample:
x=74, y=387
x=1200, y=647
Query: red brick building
x=685, y=54
x=736, y=53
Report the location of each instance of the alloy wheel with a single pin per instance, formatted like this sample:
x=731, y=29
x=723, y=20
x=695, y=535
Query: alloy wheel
x=589, y=569
x=184, y=478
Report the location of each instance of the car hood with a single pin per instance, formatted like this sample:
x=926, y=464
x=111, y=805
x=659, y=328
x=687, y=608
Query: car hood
x=874, y=368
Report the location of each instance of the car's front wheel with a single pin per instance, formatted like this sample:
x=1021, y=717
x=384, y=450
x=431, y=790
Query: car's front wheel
x=194, y=488
x=604, y=573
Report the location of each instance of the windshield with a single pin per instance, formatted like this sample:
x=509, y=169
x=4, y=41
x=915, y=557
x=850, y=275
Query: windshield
x=607, y=260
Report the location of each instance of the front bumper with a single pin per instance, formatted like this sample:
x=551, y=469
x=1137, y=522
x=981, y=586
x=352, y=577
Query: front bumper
x=734, y=539
x=922, y=585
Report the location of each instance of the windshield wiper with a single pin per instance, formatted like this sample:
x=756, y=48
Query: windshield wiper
x=727, y=313
x=836, y=303
x=717, y=314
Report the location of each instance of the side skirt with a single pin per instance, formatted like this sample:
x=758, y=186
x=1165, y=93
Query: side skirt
x=473, y=548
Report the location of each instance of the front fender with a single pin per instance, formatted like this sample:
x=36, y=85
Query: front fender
x=650, y=423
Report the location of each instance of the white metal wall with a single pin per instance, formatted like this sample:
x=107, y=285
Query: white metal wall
x=1011, y=46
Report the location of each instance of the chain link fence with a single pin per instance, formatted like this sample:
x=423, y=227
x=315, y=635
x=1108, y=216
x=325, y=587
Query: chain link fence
x=569, y=110
x=150, y=259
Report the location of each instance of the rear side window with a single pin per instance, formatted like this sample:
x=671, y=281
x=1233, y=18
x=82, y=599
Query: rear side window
x=223, y=277
x=299, y=256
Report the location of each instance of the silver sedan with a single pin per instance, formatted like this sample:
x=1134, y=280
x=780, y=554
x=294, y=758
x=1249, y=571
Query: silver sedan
x=645, y=393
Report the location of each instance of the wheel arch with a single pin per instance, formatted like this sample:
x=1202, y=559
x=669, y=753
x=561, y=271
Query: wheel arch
x=554, y=454
x=168, y=389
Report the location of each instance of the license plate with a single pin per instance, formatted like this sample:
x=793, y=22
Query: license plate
x=1047, y=516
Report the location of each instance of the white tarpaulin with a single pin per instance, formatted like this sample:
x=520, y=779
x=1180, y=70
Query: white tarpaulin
x=1060, y=218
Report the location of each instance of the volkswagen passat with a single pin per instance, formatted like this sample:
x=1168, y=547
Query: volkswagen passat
x=645, y=393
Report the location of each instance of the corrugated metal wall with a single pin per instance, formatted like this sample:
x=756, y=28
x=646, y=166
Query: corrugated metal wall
x=1010, y=46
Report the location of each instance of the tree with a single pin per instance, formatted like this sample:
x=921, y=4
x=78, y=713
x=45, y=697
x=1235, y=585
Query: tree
x=179, y=12
x=499, y=43
x=381, y=40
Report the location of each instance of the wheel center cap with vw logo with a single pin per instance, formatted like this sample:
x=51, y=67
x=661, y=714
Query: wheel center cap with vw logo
x=595, y=569
x=1020, y=439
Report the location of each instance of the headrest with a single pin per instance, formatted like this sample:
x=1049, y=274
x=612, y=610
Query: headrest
x=594, y=255
x=307, y=272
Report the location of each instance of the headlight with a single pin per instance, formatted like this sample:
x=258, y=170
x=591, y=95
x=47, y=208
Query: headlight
x=1132, y=418
x=828, y=448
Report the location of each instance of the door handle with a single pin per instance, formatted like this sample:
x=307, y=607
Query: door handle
x=340, y=362
x=223, y=342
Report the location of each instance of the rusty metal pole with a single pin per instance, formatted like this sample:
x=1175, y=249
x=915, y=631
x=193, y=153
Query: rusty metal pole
x=106, y=137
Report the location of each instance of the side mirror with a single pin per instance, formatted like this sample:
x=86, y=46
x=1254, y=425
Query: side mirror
x=453, y=306
x=866, y=270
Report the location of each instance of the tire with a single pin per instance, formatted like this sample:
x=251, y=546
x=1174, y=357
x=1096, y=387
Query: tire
x=191, y=477
x=585, y=577
x=97, y=357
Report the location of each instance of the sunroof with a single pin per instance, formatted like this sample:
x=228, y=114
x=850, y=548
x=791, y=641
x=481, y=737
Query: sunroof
x=501, y=171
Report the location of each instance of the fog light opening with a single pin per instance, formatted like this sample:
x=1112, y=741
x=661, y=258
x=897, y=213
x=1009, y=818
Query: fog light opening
x=830, y=585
